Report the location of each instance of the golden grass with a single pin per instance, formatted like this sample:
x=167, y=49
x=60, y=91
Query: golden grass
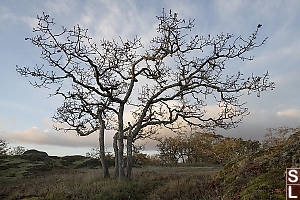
x=148, y=183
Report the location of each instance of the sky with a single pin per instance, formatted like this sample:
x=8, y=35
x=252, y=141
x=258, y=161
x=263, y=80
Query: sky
x=25, y=112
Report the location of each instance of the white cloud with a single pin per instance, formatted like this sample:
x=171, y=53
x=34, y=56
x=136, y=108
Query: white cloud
x=60, y=6
x=291, y=113
x=121, y=20
x=8, y=16
x=111, y=19
x=5, y=13
x=30, y=21
x=37, y=136
x=227, y=9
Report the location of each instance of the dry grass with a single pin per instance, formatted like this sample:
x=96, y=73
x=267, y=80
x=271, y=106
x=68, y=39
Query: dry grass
x=148, y=183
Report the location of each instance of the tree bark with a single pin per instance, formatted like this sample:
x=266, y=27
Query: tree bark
x=102, y=149
x=115, y=146
x=121, y=144
x=129, y=156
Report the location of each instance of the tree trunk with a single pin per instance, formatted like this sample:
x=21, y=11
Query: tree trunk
x=183, y=161
x=129, y=156
x=121, y=156
x=121, y=143
x=115, y=146
x=102, y=149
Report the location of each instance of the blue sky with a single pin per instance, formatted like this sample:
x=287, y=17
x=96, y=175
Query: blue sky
x=25, y=112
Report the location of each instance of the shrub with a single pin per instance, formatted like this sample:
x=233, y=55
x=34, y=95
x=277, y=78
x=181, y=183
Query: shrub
x=260, y=175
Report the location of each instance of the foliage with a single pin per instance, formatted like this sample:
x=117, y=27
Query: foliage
x=35, y=155
x=203, y=147
x=33, y=162
x=6, y=150
x=260, y=175
x=277, y=136
x=139, y=158
x=3, y=147
x=186, y=187
x=18, y=150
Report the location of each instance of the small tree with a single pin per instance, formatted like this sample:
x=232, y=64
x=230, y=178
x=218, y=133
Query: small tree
x=169, y=80
x=18, y=150
x=93, y=153
x=3, y=147
x=278, y=136
x=199, y=147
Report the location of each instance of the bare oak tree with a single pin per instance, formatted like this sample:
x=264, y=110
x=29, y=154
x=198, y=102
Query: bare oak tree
x=172, y=79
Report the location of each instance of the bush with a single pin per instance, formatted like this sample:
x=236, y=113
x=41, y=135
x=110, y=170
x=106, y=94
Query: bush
x=3, y=147
x=260, y=175
x=35, y=155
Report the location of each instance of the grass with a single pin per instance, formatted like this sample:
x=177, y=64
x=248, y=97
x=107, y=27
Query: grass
x=148, y=183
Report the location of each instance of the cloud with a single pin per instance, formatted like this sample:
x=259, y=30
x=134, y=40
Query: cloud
x=227, y=9
x=60, y=6
x=30, y=21
x=111, y=19
x=5, y=14
x=37, y=136
x=253, y=127
x=291, y=113
x=124, y=20
x=8, y=16
x=14, y=105
x=107, y=19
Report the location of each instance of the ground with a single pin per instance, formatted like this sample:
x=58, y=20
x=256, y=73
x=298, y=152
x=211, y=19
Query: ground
x=148, y=183
x=259, y=175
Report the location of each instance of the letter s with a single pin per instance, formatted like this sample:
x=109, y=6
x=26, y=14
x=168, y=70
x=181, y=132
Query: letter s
x=293, y=174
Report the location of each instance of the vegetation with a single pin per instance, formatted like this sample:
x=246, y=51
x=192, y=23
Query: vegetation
x=260, y=174
x=6, y=150
x=67, y=181
x=33, y=162
x=201, y=147
x=167, y=82
x=3, y=147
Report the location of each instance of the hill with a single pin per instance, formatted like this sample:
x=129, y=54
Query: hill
x=260, y=175
x=33, y=162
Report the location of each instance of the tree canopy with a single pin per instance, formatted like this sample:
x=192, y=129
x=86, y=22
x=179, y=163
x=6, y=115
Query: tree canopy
x=171, y=79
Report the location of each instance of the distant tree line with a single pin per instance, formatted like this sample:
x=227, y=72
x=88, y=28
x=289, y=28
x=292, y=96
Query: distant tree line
x=139, y=158
x=188, y=148
x=6, y=150
x=203, y=147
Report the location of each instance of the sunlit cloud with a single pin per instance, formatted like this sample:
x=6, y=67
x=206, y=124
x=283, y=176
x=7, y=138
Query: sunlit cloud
x=38, y=136
x=292, y=113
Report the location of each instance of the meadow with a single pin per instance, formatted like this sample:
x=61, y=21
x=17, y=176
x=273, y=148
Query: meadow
x=260, y=174
x=148, y=183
